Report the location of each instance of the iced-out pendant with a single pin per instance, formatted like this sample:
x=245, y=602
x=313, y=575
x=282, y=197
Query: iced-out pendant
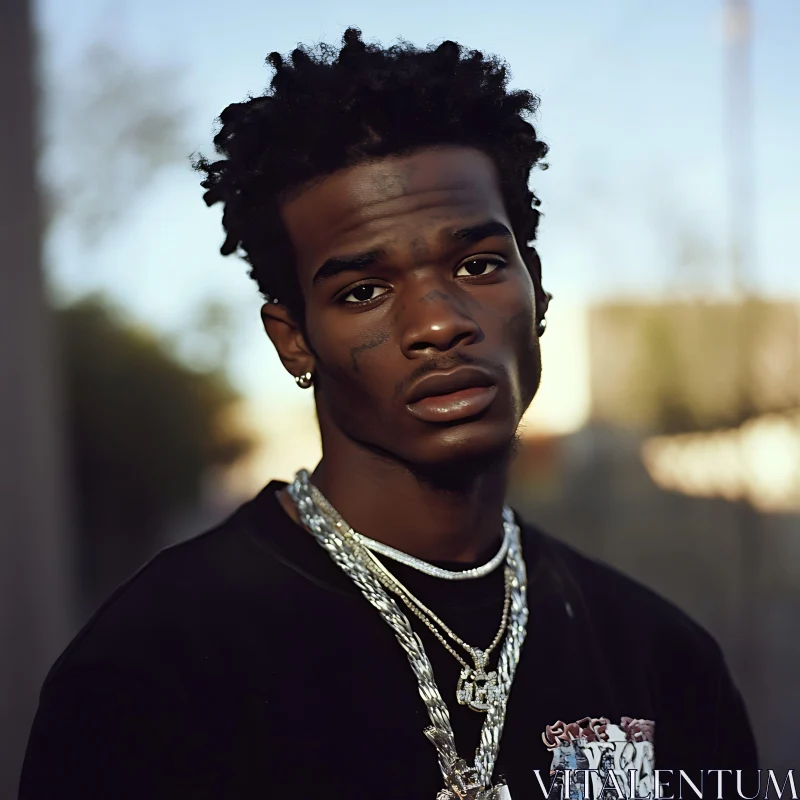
x=460, y=779
x=495, y=793
x=477, y=689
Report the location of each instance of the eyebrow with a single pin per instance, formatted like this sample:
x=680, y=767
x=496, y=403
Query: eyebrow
x=359, y=262
x=355, y=263
x=483, y=230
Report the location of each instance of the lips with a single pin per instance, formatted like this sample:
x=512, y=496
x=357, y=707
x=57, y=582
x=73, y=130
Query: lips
x=455, y=397
x=437, y=384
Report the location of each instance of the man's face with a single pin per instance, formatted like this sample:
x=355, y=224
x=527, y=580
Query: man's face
x=409, y=272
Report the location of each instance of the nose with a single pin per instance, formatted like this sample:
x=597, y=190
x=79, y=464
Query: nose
x=437, y=319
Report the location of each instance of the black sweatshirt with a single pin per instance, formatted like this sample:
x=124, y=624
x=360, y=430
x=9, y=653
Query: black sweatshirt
x=244, y=664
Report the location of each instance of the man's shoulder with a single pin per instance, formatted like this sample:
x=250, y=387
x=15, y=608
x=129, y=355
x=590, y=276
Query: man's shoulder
x=618, y=603
x=171, y=604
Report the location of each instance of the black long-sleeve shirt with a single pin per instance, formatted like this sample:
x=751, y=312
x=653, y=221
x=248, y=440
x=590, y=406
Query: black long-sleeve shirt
x=244, y=664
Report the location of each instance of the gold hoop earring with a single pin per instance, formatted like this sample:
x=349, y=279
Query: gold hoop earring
x=304, y=381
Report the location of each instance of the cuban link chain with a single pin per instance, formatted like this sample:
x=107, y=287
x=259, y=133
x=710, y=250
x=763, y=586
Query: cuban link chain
x=462, y=781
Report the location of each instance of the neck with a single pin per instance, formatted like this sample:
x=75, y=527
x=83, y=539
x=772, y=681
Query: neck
x=396, y=505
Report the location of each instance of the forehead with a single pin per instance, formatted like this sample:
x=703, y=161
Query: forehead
x=392, y=201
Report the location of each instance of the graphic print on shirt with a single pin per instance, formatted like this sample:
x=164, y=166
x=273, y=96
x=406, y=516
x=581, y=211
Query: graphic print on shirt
x=621, y=757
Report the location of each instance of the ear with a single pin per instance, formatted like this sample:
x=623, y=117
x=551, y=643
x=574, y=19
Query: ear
x=288, y=339
x=543, y=298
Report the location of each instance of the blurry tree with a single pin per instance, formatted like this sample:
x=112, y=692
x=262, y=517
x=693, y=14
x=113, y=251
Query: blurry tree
x=144, y=430
x=110, y=127
x=144, y=423
x=76, y=149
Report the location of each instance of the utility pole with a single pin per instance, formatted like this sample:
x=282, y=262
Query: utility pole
x=741, y=224
x=35, y=597
x=739, y=138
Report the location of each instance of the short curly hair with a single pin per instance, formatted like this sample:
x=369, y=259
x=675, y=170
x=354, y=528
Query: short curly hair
x=326, y=110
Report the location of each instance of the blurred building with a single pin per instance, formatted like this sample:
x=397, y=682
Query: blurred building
x=692, y=366
x=685, y=477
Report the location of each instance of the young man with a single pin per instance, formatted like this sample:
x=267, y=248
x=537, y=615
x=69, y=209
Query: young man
x=432, y=645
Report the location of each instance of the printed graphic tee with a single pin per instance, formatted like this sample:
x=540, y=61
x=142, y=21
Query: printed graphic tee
x=244, y=664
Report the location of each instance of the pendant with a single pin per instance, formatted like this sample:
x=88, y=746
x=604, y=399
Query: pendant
x=495, y=793
x=462, y=784
x=477, y=689
x=460, y=779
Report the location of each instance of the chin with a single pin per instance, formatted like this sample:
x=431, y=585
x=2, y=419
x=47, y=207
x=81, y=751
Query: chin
x=462, y=457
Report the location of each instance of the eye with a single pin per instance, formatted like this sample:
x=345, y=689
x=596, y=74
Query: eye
x=479, y=267
x=363, y=293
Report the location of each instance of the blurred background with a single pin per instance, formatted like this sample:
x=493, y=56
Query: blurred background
x=141, y=401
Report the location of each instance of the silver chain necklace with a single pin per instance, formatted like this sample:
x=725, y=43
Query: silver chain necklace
x=462, y=781
x=477, y=685
x=431, y=569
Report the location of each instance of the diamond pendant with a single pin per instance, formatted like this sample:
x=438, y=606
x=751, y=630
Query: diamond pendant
x=477, y=689
x=463, y=784
x=461, y=780
x=497, y=793
x=474, y=792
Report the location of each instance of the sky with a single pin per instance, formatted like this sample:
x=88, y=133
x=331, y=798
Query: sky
x=632, y=107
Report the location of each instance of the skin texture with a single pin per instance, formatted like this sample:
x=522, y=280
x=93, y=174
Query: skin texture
x=434, y=490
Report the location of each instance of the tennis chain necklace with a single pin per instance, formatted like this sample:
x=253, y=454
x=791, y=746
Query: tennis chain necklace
x=462, y=781
x=432, y=569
